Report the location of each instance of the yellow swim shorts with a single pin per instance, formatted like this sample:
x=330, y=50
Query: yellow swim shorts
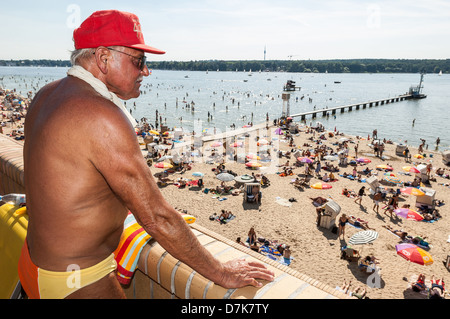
x=43, y=284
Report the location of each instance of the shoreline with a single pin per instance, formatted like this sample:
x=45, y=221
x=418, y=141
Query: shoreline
x=320, y=90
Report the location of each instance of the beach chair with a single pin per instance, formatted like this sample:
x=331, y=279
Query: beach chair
x=332, y=210
x=249, y=196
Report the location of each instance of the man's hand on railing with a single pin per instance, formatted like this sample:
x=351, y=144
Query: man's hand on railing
x=239, y=273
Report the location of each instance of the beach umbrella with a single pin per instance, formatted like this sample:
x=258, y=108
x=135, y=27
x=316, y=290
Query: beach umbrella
x=412, y=191
x=392, y=179
x=236, y=144
x=363, y=160
x=363, y=237
x=153, y=132
x=253, y=164
x=410, y=169
x=253, y=156
x=414, y=254
x=386, y=167
x=408, y=214
x=321, y=186
x=418, y=156
x=216, y=144
x=330, y=158
x=198, y=174
x=225, y=177
x=278, y=131
x=163, y=165
x=304, y=159
x=390, y=174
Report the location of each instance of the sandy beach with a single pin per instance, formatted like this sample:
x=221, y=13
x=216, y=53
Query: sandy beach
x=316, y=251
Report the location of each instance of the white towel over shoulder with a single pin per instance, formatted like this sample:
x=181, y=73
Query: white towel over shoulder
x=100, y=87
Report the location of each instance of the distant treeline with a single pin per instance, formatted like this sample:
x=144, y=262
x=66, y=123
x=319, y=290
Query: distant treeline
x=313, y=66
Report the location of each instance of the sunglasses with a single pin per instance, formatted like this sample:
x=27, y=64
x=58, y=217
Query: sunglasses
x=141, y=61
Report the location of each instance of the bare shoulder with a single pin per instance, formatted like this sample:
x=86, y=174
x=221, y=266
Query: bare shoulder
x=71, y=114
x=85, y=102
x=76, y=107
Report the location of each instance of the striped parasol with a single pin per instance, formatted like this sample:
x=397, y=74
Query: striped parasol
x=392, y=179
x=363, y=237
x=225, y=177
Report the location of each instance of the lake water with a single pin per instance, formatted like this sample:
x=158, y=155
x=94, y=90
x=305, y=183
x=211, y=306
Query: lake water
x=224, y=98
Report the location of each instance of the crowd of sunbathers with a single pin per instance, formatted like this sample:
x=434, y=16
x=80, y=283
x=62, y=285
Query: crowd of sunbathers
x=269, y=248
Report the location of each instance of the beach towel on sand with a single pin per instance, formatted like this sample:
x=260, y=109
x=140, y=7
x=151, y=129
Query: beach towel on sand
x=132, y=241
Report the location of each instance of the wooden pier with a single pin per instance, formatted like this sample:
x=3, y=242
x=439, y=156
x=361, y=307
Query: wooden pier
x=350, y=107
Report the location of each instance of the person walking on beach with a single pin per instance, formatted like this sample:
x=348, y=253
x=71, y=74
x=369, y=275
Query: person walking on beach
x=407, y=154
x=360, y=194
x=79, y=194
x=318, y=168
x=252, y=236
x=392, y=204
x=377, y=197
x=342, y=221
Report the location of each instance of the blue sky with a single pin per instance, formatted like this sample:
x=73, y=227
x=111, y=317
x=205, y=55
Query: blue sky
x=239, y=30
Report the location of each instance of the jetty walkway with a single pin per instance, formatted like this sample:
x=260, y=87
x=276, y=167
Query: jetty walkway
x=350, y=107
x=325, y=112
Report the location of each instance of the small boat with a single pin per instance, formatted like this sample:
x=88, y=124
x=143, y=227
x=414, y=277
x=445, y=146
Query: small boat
x=337, y=82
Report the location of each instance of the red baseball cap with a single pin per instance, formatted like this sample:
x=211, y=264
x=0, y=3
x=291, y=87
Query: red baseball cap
x=112, y=28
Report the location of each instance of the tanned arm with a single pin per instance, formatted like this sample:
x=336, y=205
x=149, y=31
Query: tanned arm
x=117, y=156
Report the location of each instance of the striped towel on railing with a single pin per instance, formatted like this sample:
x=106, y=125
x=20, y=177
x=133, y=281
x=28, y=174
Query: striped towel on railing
x=132, y=241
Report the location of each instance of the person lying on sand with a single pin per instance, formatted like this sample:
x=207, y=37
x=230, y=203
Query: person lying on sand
x=400, y=233
x=419, y=284
x=319, y=201
x=358, y=222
